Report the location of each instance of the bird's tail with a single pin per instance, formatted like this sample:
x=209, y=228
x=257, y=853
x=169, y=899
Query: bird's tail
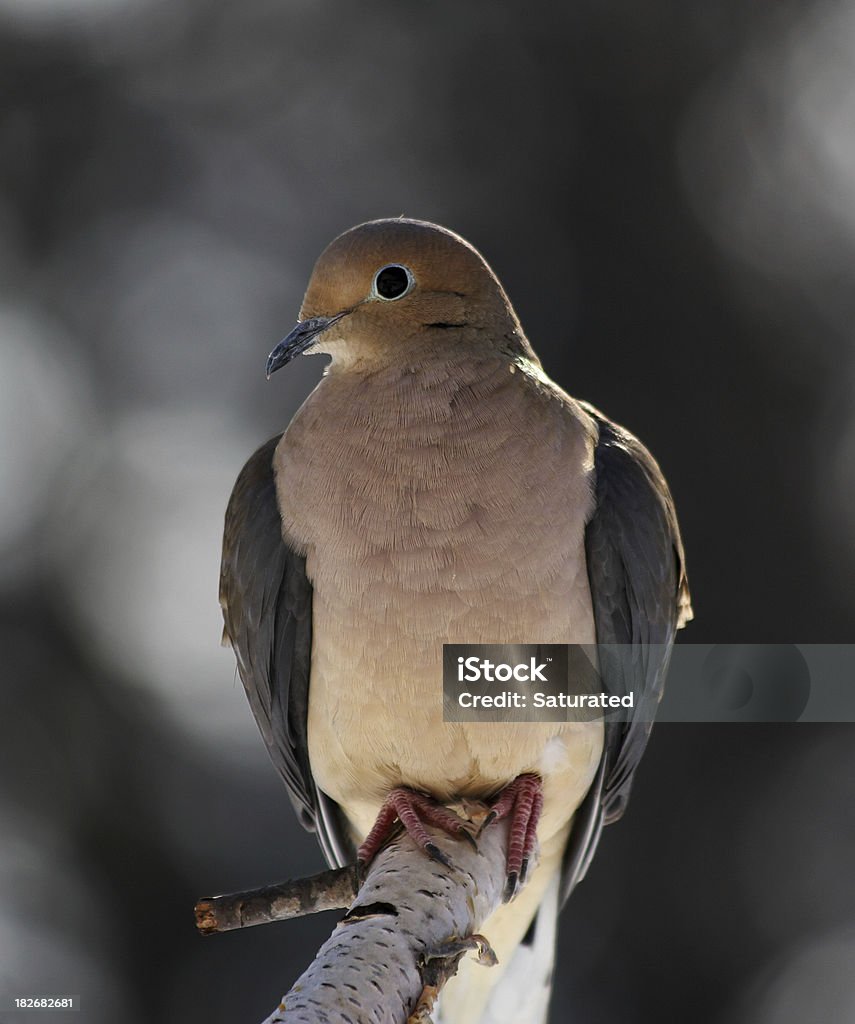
x=516, y=991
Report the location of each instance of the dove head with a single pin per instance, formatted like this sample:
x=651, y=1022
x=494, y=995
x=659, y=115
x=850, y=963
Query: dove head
x=394, y=290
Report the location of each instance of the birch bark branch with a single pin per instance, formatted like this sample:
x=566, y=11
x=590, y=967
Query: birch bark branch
x=403, y=935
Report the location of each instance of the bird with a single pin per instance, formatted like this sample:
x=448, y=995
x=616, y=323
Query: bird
x=437, y=486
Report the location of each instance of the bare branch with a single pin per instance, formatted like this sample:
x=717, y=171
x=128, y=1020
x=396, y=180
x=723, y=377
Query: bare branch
x=329, y=890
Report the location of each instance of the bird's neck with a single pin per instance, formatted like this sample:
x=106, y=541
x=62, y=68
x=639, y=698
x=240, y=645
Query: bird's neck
x=428, y=386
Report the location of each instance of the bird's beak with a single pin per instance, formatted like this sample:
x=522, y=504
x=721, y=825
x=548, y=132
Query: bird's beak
x=301, y=338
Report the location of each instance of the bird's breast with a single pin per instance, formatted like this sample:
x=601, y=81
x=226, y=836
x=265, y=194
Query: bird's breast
x=435, y=510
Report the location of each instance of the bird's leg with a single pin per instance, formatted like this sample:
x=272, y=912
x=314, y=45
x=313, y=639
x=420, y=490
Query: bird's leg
x=414, y=811
x=522, y=799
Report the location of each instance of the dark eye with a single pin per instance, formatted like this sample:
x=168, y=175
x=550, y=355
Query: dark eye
x=392, y=282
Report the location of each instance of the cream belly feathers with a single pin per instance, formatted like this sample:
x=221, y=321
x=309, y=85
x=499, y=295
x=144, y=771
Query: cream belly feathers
x=447, y=558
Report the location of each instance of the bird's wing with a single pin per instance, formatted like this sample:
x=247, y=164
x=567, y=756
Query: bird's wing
x=640, y=598
x=267, y=609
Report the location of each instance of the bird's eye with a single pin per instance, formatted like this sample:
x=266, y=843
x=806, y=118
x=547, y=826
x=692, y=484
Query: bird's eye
x=392, y=282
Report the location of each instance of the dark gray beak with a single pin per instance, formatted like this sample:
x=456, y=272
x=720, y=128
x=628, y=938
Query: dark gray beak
x=301, y=338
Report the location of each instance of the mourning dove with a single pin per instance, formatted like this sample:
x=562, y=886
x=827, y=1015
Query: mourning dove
x=437, y=487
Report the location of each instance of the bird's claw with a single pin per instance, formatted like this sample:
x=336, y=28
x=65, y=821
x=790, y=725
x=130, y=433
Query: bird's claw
x=414, y=810
x=464, y=833
x=511, y=887
x=434, y=852
x=488, y=820
x=522, y=801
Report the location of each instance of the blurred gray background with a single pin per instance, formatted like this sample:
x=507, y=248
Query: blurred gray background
x=667, y=191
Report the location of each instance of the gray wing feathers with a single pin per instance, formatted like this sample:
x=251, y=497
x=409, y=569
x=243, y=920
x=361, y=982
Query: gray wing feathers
x=640, y=598
x=267, y=609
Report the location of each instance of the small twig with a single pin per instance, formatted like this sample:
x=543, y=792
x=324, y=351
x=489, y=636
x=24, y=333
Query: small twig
x=329, y=890
x=440, y=965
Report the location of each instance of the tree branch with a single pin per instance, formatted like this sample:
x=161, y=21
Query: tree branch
x=329, y=890
x=401, y=939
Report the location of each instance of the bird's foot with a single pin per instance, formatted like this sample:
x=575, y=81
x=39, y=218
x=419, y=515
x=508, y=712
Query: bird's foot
x=523, y=801
x=414, y=811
